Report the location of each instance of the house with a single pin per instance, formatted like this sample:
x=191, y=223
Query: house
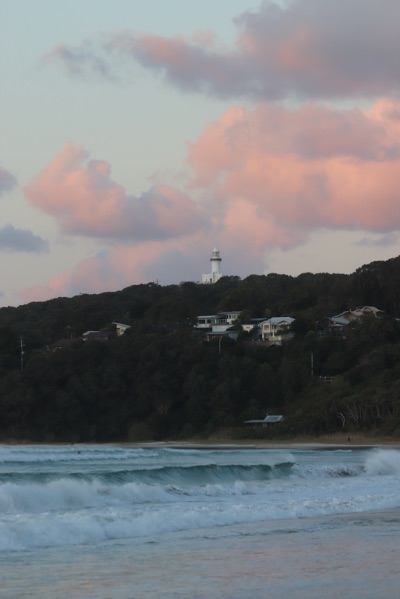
x=277, y=330
x=350, y=315
x=205, y=322
x=121, y=328
x=265, y=422
x=62, y=344
x=230, y=316
x=98, y=335
x=217, y=323
x=339, y=324
x=91, y=335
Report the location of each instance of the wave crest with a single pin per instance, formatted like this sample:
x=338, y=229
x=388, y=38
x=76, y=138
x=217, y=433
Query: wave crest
x=383, y=461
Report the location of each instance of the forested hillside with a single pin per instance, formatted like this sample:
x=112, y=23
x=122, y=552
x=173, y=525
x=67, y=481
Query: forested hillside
x=162, y=379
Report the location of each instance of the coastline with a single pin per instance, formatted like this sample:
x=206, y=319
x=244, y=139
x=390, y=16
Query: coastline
x=253, y=446
x=331, y=442
x=334, y=442
x=117, y=518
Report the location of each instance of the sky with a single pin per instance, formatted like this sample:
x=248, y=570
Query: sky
x=137, y=136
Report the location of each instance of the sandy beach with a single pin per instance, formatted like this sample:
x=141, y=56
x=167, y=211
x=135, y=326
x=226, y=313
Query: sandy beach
x=234, y=446
x=220, y=442
x=329, y=442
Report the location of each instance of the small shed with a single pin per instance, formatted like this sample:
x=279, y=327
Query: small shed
x=265, y=422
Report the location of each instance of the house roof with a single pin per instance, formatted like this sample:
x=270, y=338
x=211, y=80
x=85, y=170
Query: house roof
x=278, y=319
x=275, y=320
x=370, y=309
x=339, y=320
x=352, y=314
x=266, y=420
x=61, y=343
x=273, y=418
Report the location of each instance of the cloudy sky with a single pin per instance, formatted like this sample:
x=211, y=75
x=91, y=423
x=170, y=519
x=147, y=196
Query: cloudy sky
x=136, y=136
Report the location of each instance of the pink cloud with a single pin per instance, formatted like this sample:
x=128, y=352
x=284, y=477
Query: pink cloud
x=80, y=194
x=91, y=275
x=306, y=168
x=170, y=261
x=308, y=49
x=268, y=179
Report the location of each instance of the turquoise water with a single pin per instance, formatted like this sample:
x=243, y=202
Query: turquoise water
x=111, y=522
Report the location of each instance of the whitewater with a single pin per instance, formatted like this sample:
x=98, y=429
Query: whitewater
x=110, y=522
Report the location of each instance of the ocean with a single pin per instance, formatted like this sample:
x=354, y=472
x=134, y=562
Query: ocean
x=120, y=522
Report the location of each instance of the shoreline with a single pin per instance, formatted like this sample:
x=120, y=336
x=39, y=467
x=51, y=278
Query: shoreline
x=305, y=446
x=330, y=442
x=333, y=442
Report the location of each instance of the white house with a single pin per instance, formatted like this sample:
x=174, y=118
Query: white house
x=217, y=323
x=205, y=322
x=277, y=329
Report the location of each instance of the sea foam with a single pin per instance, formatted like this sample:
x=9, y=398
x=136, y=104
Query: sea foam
x=104, y=493
x=383, y=461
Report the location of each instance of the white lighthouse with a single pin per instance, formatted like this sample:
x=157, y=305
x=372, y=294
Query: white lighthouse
x=215, y=274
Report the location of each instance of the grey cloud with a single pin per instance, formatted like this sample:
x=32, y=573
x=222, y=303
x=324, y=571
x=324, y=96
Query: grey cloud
x=310, y=49
x=83, y=61
x=154, y=215
x=20, y=240
x=383, y=241
x=7, y=181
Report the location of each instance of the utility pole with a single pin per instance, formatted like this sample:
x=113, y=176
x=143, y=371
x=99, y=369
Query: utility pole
x=22, y=345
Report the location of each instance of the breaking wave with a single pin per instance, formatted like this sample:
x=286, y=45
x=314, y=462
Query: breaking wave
x=56, y=496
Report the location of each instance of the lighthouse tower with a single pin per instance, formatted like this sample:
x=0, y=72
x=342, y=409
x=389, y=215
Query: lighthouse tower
x=215, y=274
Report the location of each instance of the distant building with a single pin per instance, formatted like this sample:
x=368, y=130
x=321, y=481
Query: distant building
x=217, y=323
x=215, y=274
x=265, y=422
x=120, y=328
x=350, y=315
x=277, y=329
x=62, y=344
x=98, y=335
x=339, y=324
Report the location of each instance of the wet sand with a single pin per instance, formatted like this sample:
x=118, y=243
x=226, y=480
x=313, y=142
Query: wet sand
x=303, y=445
x=331, y=442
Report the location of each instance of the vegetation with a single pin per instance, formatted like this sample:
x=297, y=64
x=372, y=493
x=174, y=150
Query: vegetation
x=163, y=380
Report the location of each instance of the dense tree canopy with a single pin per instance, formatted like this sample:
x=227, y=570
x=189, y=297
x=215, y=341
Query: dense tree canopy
x=162, y=379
